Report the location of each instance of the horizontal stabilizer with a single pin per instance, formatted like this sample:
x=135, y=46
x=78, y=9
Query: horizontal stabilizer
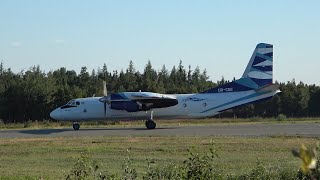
x=268, y=88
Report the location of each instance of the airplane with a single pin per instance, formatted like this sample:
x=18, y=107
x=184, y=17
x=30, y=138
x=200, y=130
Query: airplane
x=255, y=85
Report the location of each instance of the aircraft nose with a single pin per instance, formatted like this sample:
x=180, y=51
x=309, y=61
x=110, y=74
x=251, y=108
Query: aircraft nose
x=55, y=114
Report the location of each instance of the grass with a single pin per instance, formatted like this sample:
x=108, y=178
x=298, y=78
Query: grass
x=51, y=158
x=140, y=123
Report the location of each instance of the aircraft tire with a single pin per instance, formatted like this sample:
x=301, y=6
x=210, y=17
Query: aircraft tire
x=76, y=126
x=150, y=124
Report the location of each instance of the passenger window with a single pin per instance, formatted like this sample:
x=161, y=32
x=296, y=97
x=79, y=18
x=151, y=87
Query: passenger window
x=78, y=103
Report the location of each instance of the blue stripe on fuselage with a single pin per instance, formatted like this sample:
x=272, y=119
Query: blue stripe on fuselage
x=237, y=100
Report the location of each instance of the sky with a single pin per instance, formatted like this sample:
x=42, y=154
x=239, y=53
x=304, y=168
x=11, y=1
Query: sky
x=216, y=35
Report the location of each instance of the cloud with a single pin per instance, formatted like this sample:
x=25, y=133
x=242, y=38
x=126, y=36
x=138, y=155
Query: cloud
x=16, y=44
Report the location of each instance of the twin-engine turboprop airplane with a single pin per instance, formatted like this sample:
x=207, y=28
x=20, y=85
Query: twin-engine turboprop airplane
x=254, y=85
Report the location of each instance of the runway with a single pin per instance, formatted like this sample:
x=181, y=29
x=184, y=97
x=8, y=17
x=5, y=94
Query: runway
x=306, y=129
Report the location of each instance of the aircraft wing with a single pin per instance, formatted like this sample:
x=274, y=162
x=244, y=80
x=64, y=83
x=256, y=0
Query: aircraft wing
x=141, y=101
x=149, y=95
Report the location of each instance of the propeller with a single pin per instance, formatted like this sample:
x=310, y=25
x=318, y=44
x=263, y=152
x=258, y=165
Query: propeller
x=105, y=99
x=105, y=92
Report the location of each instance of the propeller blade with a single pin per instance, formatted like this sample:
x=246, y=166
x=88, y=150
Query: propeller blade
x=105, y=93
x=105, y=109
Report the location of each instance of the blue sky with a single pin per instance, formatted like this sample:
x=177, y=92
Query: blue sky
x=217, y=35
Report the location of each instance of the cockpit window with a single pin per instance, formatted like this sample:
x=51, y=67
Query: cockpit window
x=70, y=104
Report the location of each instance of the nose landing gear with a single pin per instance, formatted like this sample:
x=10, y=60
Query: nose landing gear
x=76, y=126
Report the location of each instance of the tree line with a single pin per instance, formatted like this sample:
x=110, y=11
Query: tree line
x=33, y=94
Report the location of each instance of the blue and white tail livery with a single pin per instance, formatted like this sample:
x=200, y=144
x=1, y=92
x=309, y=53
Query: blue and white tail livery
x=259, y=70
x=254, y=85
x=257, y=74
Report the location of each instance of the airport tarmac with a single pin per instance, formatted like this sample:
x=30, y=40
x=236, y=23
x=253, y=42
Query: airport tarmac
x=305, y=129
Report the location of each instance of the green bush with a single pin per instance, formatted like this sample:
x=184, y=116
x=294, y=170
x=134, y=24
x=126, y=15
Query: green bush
x=261, y=172
x=197, y=166
x=171, y=171
x=27, y=124
x=84, y=169
x=281, y=117
x=2, y=125
x=200, y=166
x=255, y=119
x=129, y=173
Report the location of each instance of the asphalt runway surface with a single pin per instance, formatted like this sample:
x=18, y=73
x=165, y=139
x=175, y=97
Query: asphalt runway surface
x=305, y=129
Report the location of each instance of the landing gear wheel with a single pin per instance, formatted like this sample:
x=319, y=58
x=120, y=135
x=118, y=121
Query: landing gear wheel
x=76, y=126
x=150, y=124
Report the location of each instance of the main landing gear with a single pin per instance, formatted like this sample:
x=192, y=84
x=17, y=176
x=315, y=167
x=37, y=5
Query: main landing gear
x=76, y=126
x=150, y=124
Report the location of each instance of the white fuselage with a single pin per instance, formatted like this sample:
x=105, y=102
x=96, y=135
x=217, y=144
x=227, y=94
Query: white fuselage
x=189, y=106
x=254, y=85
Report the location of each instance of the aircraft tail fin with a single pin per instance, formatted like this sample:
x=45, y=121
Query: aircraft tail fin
x=257, y=74
x=260, y=66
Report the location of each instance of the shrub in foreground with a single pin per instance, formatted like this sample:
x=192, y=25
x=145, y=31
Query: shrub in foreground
x=195, y=167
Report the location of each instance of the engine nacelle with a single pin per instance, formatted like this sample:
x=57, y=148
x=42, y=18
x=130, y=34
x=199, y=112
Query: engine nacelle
x=145, y=107
x=131, y=106
x=128, y=106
